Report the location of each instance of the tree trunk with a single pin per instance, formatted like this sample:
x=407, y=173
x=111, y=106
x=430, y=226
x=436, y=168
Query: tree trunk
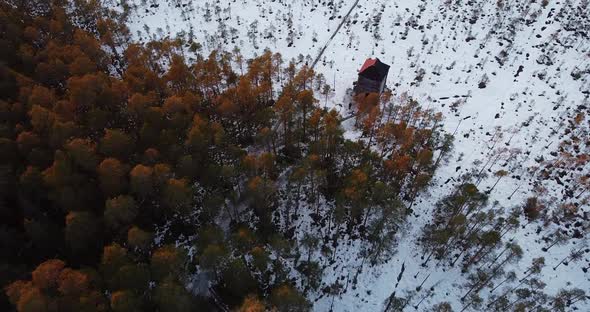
x=458, y=257
x=494, y=186
x=497, y=257
x=568, y=257
x=500, y=284
x=480, y=286
x=476, y=255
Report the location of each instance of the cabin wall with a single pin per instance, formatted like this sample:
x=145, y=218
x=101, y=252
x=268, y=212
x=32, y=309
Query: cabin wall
x=367, y=85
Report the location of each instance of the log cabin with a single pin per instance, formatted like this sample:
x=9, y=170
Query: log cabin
x=372, y=77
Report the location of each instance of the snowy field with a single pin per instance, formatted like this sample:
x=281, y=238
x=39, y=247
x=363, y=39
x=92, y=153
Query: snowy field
x=508, y=77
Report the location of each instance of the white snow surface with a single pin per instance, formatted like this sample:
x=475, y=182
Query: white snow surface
x=454, y=43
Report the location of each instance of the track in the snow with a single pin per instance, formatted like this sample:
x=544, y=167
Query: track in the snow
x=344, y=19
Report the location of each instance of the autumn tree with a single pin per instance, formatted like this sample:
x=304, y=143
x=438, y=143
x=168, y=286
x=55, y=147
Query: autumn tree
x=120, y=211
x=366, y=104
x=142, y=180
x=177, y=196
x=252, y=304
x=82, y=232
x=286, y=298
x=125, y=301
x=112, y=176
x=83, y=153
x=238, y=280
x=138, y=238
x=167, y=262
x=54, y=286
x=114, y=257
x=172, y=296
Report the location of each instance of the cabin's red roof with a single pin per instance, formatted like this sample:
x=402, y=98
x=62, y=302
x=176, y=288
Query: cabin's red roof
x=368, y=63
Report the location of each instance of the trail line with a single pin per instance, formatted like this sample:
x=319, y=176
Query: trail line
x=344, y=19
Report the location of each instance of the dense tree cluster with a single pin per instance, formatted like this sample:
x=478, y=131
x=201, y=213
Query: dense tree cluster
x=105, y=143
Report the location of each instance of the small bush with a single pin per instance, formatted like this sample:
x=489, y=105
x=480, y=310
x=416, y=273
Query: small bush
x=532, y=208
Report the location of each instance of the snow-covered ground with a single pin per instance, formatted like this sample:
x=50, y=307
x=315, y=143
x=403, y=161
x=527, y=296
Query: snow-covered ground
x=499, y=71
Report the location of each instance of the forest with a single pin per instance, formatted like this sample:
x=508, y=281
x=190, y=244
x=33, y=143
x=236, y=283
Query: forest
x=136, y=177
x=125, y=168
